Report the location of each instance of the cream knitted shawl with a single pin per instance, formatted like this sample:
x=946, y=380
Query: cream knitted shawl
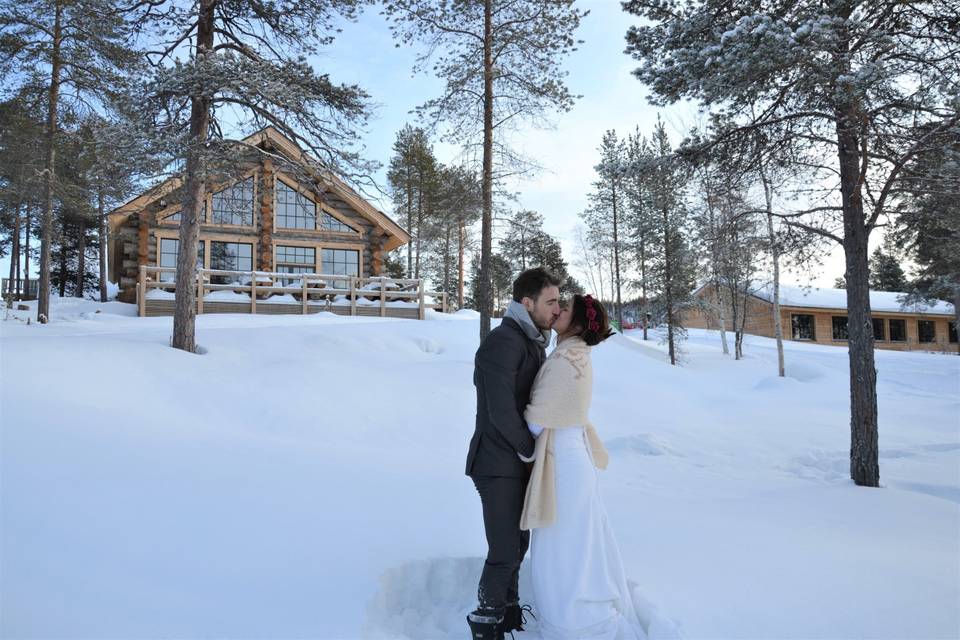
x=560, y=398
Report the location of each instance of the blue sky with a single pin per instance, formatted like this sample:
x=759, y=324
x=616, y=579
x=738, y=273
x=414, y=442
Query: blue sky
x=599, y=71
x=364, y=53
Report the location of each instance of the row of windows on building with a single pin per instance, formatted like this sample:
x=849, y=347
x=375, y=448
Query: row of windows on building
x=238, y=256
x=235, y=206
x=884, y=329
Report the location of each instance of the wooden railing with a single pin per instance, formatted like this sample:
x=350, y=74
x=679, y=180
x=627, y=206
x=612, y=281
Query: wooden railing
x=310, y=287
x=26, y=289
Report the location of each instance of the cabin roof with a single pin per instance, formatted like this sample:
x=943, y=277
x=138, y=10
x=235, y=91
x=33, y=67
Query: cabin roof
x=395, y=234
x=824, y=298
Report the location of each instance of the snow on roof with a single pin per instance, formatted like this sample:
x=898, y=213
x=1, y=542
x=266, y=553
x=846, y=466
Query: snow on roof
x=888, y=301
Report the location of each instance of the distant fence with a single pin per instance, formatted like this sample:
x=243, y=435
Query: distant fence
x=270, y=292
x=22, y=289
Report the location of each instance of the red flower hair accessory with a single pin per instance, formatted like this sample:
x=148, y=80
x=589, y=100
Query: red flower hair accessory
x=592, y=323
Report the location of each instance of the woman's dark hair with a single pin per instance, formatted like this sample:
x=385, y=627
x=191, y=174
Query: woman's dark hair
x=531, y=282
x=579, y=320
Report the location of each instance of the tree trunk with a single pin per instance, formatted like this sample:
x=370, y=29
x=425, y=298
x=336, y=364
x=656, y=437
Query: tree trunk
x=102, y=234
x=616, y=257
x=81, y=258
x=735, y=310
x=775, y=255
x=668, y=286
x=419, y=220
x=409, y=220
x=722, y=312
x=956, y=314
x=46, y=233
x=715, y=257
x=486, y=224
x=864, y=445
x=63, y=261
x=643, y=285
x=446, y=261
x=14, y=257
x=461, y=240
x=184, y=319
x=26, y=256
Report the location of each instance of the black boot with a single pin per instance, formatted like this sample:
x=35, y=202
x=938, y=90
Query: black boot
x=514, y=617
x=485, y=625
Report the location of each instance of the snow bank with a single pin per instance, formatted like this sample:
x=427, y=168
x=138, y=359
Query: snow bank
x=304, y=478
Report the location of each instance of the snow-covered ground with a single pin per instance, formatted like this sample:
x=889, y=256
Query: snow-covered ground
x=304, y=478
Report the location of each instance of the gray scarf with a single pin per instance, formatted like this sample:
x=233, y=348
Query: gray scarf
x=518, y=313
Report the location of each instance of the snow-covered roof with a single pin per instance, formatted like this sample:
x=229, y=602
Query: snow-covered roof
x=889, y=301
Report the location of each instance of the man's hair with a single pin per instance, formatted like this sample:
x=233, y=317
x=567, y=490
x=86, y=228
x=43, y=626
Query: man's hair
x=531, y=282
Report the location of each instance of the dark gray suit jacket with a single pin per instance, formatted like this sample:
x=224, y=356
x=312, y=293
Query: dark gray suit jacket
x=504, y=368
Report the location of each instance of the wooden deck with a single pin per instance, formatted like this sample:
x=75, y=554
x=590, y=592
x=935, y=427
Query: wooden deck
x=275, y=293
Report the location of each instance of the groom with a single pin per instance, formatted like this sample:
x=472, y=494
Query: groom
x=504, y=368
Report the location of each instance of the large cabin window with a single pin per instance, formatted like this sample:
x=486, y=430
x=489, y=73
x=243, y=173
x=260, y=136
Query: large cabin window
x=329, y=223
x=840, y=328
x=294, y=210
x=898, y=330
x=297, y=211
x=952, y=331
x=233, y=205
x=803, y=326
x=169, y=248
x=230, y=256
x=295, y=260
x=879, y=330
x=926, y=331
x=340, y=262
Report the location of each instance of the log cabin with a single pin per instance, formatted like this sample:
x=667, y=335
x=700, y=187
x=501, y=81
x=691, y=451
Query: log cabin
x=276, y=213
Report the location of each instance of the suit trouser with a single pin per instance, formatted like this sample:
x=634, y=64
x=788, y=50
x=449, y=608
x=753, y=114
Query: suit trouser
x=502, y=500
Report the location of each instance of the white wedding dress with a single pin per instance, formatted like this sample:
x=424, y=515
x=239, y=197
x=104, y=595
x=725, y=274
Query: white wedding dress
x=579, y=585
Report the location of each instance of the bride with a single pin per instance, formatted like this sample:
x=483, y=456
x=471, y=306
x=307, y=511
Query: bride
x=579, y=584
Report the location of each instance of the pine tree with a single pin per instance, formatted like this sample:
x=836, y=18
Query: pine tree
x=885, y=272
x=639, y=217
x=607, y=204
x=928, y=220
x=500, y=62
x=22, y=160
x=81, y=47
x=455, y=206
x=247, y=67
x=673, y=263
x=414, y=181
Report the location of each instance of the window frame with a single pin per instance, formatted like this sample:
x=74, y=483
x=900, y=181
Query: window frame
x=208, y=203
x=277, y=263
x=164, y=215
x=320, y=208
x=319, y=246
x=952, y=331
x=813, y=327
x=834, y=326
x=359, y=273
x=201, y=254
x=206, y=238
x=883, y=329
x=933, y=331
x=902, y=322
